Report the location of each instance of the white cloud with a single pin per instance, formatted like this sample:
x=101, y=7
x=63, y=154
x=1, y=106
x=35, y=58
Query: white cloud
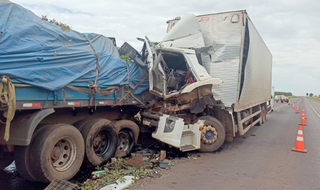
x=289, y=28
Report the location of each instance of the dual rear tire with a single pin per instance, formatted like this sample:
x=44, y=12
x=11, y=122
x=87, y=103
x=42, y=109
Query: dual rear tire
x=100, y=139
x=57, y=151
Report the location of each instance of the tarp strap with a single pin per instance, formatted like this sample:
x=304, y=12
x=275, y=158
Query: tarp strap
x=98, y=68
x=105, y=91
x=8, y=97
x=144, y=78
x=130, y=93
x=22, y=85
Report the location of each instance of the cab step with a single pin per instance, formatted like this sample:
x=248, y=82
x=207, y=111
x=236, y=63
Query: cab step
x=187, y=133
x=188, y=148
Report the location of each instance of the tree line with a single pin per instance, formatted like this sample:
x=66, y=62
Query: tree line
x=283, y=93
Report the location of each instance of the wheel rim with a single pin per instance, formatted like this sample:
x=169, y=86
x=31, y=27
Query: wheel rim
x=63, y=154
x=209, y=134
x=101, y=143
x=124, y=141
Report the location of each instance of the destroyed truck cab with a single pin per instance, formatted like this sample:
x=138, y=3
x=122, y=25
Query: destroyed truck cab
x=183, y=90
x=186, y=71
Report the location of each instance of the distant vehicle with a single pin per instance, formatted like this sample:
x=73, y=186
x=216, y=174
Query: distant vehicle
x=281, y=99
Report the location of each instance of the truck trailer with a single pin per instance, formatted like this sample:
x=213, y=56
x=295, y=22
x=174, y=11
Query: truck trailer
x=69, y=99
x=66, y=98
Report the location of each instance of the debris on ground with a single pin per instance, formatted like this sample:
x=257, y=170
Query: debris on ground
x=164, y=164
x=120, y=185
x=162, y=155
x=120, y=172
x=154, y=174
x=61, y=185
x=136, y=161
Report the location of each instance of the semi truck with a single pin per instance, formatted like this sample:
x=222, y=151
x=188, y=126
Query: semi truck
x=69, y=99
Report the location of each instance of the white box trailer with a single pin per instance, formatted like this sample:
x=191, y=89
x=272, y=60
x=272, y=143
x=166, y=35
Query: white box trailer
x=238, y=56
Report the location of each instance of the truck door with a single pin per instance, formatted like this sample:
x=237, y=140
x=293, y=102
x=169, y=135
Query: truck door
x=157, y=74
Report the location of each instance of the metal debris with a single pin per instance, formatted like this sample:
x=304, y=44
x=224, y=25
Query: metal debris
x=164, y=164
x=61, y=185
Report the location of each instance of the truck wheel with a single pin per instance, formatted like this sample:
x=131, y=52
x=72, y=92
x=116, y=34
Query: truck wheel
x=128, y=133
x=80, y=124
x=22, y=158
x=212, y=135
x=57, y=153
x=6, y=159
x=100, y=139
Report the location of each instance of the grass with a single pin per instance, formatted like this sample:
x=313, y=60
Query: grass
x=316, y=99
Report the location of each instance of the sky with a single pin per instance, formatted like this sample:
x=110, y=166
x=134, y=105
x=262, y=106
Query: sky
x=290, y=28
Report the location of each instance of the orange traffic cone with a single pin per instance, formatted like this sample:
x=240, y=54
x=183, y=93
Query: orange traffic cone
x=303, y=110
x=299, y=142
x=293, y=106
x=303, y=120
x=284, y=102
x=288, y=102
x=298, y=111
x=303, y=115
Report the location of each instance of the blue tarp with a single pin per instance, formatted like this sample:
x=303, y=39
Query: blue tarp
x=36, y=52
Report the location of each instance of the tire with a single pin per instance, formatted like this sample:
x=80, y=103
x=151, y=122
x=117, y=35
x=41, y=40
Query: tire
x=221, y=134
x=128, y=133
x=22, y=158
x=81, y=123
x=6, y=160
x=57, y=153
x=97, y=133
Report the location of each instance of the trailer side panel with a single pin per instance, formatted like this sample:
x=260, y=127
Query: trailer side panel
x=256, y=70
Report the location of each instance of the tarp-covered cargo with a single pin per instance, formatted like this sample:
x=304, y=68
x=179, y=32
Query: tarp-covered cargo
x=39, y=53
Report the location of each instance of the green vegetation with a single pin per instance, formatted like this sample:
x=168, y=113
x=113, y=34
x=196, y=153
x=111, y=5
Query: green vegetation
x=53, y=21
x=311, y=94
x=126, y=57
x=112, y=172
x=283, y=93
x=316, y=99
x=117, y=169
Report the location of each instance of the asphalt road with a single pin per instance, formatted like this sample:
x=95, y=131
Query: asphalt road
x=262, y=159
